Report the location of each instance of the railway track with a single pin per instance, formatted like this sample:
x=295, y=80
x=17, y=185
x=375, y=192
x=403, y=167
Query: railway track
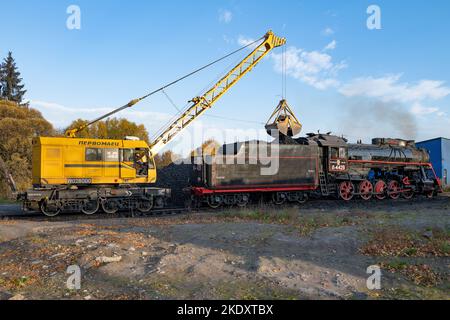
x=14, y=212
x=20, y=214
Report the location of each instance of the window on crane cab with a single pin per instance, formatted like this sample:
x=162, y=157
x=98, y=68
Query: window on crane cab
x=127, y=155
x=111, y=155
x=94, y=154
x=151, y=163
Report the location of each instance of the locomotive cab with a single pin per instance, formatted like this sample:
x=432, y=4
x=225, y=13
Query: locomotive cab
x=337, y=158
x=334, y=152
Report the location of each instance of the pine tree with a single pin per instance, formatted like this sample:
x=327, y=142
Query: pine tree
x=10, y=82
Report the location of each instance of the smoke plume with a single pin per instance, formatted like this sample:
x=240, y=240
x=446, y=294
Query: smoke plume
x=369, y=118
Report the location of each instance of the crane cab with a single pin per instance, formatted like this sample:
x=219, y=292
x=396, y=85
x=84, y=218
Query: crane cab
x=69, y=161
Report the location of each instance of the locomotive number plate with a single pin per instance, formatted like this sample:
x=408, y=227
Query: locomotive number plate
x=338, y=165
x=79, y=181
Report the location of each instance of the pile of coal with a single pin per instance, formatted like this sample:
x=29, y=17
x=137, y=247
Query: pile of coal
x=175, y=177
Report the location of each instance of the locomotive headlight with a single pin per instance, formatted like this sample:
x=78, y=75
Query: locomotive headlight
x=402, y=144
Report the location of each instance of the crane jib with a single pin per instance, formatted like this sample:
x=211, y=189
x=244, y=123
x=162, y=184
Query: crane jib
x=203, y=103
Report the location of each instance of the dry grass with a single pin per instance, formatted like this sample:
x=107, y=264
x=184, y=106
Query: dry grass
x=396, y=242
x=34, y=260
x=304, y=224
x=420, y=274
x=293, y=217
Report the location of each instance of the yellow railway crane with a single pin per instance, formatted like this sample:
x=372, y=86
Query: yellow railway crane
x=73, y=174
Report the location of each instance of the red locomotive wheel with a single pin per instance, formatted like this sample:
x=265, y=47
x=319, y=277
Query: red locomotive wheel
x=393, y=190
x=380, y=189
x=408, y=194
x=366, y=190
x=429, y=194
x=346, y=190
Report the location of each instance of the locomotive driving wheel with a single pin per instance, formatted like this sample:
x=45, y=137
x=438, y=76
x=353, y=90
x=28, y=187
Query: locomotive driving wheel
x=408, y=194
x=90, y=207
x=394, y=190
x=366, y=190
x=380, y=190
x=346, y=190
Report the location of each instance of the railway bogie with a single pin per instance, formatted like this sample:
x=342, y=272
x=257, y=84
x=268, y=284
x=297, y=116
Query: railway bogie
x=53, y=200
x=242, y=200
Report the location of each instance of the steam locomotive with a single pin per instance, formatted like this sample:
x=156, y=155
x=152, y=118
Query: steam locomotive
x=318, y=165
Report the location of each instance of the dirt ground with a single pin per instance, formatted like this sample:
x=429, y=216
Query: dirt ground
x=318, y=251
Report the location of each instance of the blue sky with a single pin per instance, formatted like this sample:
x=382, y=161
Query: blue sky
x=342, y=77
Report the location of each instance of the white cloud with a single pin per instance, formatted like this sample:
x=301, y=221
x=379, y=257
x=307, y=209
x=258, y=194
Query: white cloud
x=225, y=16
x=311, y=67
x=244, y=41
x=389, y=88
x=330, y=46
x=227, y=39
x=58, y=107
x=420, y=110
x=328, y=32
x=61, y=116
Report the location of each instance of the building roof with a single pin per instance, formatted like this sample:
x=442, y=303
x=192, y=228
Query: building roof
x=429, y=140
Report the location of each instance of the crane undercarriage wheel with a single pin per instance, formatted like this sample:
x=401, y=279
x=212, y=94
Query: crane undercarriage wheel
x=346, y=190
x=366, y=190
x=145, y=205
x=50, y=210
x=380, y=190
x=394, y=190
x=110, y=206
x=90, y=207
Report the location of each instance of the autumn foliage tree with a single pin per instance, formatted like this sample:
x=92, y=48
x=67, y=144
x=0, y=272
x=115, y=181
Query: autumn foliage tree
x=114, y=128
x=165, y=159
x=208, y=148
x=18, y=126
